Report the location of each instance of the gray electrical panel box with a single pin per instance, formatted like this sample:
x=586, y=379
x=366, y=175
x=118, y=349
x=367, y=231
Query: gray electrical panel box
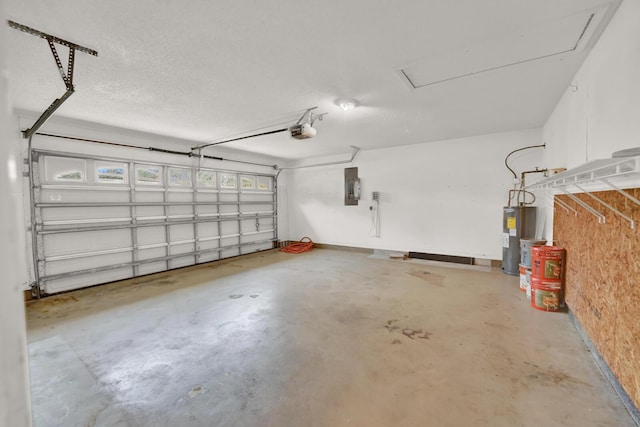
x=518, y=222
x=351, y=186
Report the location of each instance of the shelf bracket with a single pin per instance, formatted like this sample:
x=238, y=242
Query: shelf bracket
x=608, y=206
x=621, y=191
x=565, y=206
x=601, y=217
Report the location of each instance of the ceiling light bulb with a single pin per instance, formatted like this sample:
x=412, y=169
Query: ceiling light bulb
x=347, y=104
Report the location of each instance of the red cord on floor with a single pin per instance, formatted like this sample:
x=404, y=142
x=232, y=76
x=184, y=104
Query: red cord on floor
x=298, y=247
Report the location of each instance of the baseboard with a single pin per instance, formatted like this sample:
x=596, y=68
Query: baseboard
x=481, y=262
x=343, y=248
x=606, y=371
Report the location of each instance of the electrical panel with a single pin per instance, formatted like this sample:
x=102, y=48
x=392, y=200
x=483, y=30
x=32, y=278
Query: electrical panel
x=351, y=187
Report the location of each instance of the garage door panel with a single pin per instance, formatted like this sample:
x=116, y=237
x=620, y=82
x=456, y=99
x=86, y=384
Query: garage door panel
x=179, y=196
x=228, y=210
x=152, y=267
x=256, y=209
x=209, y=244
x=146, y=196
x=253, y=248
x=209, y=256
x=86, y=263
x=258, y=197
x=85, y=215
x=90, y=241
x=173, y=216
x=152, y=253
x=208, y=211
x=229, y=227
x=227, y=253
x=61, y=195
x=252, y=225
x=82, y=281
x=151, y=235
x=181, y=248
x=228, y=241
x=180, y=211
x=181, y=232
x=207, y=230
x=254, y=238
x=207, y=196
x=181, y=262
x=150, y=212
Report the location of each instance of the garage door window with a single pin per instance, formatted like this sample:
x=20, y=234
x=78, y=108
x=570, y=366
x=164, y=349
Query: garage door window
x=247, y=182
x=179, y=177
x=62, y=169
x=207, y=179
x=110, y=173
x=264, y=183
x=149, y=175
x=228, y=181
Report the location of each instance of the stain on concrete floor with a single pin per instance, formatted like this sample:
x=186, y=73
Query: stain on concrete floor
x=548, y=375
x=410, y=333
x=196, y=391
x=429, y=277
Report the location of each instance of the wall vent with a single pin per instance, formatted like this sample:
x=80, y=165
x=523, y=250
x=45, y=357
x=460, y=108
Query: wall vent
x=442, y=258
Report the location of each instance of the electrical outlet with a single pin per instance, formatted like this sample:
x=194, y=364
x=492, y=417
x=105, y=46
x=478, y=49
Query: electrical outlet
x=375, y=195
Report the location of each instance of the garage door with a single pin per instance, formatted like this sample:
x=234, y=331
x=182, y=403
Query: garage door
x=104, y=219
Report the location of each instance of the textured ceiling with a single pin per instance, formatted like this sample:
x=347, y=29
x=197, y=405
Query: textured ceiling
x=205, y=70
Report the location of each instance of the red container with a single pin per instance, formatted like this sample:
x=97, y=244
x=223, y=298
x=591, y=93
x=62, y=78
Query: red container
x=546, y=294
x=523, y=277
x=546, y=284
x=547, y=262
x=546, y=300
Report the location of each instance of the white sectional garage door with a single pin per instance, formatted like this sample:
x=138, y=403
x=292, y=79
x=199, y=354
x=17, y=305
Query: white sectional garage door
x=101, y=219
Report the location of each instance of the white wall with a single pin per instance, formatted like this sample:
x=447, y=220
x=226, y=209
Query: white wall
x=441, y=197
x=14, y=391
x=601, y=113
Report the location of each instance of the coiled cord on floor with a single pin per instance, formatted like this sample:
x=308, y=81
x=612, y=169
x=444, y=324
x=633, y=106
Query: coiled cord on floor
x=298, y=247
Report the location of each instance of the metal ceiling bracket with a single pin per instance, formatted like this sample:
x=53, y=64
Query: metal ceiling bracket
x=608, y=206
x=54, y=39
x=311, y=118
x=67, y=76
x=601, y=217
x=305, y=114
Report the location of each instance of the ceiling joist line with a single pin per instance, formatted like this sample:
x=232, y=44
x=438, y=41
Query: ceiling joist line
x=67, y=75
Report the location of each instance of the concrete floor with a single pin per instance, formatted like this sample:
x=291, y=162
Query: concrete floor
x=327, y=338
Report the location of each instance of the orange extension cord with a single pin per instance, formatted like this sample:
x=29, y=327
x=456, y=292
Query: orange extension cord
x=298, y=247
